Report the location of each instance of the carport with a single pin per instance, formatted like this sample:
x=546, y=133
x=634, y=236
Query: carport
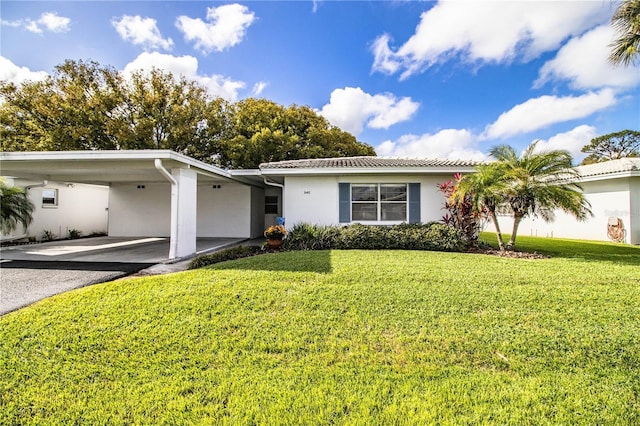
x=163, y=171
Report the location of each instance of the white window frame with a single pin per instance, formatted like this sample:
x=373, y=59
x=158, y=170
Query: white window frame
x=379, y=203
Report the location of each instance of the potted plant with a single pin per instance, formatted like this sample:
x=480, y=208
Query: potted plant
x=274, y=235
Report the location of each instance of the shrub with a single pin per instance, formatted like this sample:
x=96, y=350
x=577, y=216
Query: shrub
x=231, y=253
x=429, y=236
x=48, y=235
x=74, y=234
x=305, y=236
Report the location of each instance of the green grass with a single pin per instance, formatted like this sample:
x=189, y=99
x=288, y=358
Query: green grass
x=341, y=337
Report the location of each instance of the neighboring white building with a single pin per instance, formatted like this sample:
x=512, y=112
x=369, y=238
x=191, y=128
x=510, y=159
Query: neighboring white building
x=160, y=193
x=612, y=188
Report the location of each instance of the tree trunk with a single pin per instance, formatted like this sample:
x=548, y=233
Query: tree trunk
x=492, y=213
x=516, y=223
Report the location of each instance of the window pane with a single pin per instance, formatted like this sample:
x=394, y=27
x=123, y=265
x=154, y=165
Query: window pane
x=391, y=192
x=271, y=199
x=364, y=211
x=364, y=192
x=271, y=209
x=393, y=211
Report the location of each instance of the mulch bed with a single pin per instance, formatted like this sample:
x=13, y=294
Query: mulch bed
x=512, y=254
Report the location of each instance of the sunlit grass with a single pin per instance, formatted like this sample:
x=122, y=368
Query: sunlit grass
x=343, y=337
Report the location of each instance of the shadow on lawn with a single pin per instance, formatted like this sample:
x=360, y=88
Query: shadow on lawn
x=299, y=261
x=589, y=251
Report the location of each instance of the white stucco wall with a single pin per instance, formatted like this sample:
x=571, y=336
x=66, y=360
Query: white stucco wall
x=224, y=211
x=140, y=212
x=608, y=198
x=80, y=207
x=315, y=199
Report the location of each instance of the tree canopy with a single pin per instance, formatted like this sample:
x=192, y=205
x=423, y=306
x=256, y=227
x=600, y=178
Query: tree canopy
x=86, y=106
x=612, y=146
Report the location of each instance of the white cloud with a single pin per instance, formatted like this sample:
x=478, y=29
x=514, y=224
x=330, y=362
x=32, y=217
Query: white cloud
x=186, y=66
x=141, y=31
x=49, y=21
x=571, y=141
x=544, y=111
x=487, y=31
x=54, y=23
x=225, y=27
x=454, y=144
x=10, y=72
x=351, y=109
x=590, y=70
x=258, y=88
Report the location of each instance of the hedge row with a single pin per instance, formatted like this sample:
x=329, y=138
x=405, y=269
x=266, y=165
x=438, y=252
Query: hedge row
x=231, y=253
x=429, y=236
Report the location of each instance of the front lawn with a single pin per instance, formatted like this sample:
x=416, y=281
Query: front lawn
x=339, y=337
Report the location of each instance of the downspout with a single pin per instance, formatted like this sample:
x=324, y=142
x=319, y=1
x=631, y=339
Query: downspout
x=26, y=234
x=173, y=238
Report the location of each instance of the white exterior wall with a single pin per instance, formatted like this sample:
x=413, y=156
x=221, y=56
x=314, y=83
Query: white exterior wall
x=310, y=199
x=315, y=199
x=80, y=207
x=225, y=211
x=608, y=198
x=140, y=212
x=633, y=231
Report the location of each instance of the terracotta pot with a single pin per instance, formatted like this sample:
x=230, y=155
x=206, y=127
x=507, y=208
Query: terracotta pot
x=274, y=244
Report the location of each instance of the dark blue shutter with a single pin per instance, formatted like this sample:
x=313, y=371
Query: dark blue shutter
x=344, y=193
x=414, y=203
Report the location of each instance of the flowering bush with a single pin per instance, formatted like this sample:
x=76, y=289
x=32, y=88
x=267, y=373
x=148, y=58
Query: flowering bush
x=275, y=232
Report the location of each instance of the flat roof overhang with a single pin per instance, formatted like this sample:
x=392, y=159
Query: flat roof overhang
x=107, y=167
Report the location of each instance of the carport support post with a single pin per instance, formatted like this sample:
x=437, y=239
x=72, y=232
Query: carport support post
x=183, y=213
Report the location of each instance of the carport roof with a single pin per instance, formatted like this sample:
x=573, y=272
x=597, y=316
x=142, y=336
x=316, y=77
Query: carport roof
x=106, y=167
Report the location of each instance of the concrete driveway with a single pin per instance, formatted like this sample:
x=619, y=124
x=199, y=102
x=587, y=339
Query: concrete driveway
x=32, y=272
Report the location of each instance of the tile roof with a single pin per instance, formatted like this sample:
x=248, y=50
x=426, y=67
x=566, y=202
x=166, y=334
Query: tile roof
x=367, y=162
x=610, y=167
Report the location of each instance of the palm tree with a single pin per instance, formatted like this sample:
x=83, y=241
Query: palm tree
x=626, y=21
x=539, y=183
x=485, y=190
x=15, y=208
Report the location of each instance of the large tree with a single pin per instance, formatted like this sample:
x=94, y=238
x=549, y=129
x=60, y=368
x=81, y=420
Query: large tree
x=84, y=105
x=73, y=109
x=15, y=208
x=612, y=146
x=264, y=131
x=626, y=22
x=539, y=182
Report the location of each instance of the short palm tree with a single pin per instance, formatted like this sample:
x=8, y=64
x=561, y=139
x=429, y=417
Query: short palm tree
x=539, y=183
x=15, y=208
x=626, y=21
x=485, y=189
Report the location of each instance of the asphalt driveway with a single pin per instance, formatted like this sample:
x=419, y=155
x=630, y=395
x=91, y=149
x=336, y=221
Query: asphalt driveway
x=33, y=272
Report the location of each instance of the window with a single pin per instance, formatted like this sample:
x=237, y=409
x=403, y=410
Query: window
x=271, y=204
x=379, y=202
x=49, y=197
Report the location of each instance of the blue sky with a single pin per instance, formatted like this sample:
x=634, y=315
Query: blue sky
x=413, y=79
